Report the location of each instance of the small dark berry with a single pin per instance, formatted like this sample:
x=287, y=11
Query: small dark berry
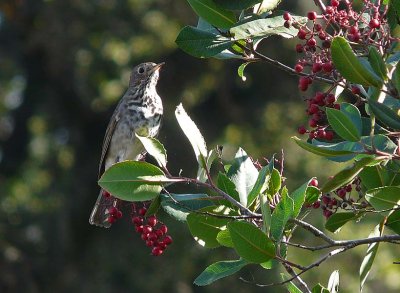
x=156, y=251
x=149, y=243
x=322, y=36
x=299, y=48
x=147, y=229
x=313, y=182
x=301, y=34
x=316, y=67
x=119, y=215
x=167, y=240
x=355, y=90
x=111, y=219
x=330, y=99
x=316, y=205
x=329, y=10
x=287, y=24
x=311, y=42
x=142, y=211
x=335, y=3
x=144, y=236
x=164, y=229
x=113, y=211
x=329, y=135
x=326, y=44
x=298, y=67
x=317, y=27
x=327, y=67
x=374, y=23
x=301, y=130
x=152, y=221
x=312, y=15
x=137, y=221
x=139, y=229
x=287, y=16
x=106, y=194
x=341, y=193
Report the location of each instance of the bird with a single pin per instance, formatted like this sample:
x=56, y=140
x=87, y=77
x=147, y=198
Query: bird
x=139, y=111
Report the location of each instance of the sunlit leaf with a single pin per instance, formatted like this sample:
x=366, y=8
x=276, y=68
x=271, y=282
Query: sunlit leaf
x=213, y=13
x=155, y=149
x=236, y=4
x=259, y=185
x=224, y=238
x=280, y=216
x=377, y=63
x=383, y=198
x=219, y=270
x=321, y=150
x=333, y=283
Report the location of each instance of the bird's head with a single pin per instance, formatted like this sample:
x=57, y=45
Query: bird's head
x=145, y=74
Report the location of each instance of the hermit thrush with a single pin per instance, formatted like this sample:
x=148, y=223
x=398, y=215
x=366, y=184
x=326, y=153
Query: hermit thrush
x=139, y=111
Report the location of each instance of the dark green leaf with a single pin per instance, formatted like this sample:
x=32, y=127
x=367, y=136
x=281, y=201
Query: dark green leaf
x=343, y=125
x=337, y=220
x=298, y=197
x=237, y=4
x=369, y=256
x=266, y=213
x=282, y=213
x=213, y=13
x=385, y=114
x=312, y=195
x=353, y=114
x=377, y=63
x=205, y=228
x=322, y=150
x=243, y=174
x=393, y=14
x=372, y=177
x=224, y=238
x=265, y=27
x=180, y=205
x=383, y=198
x=219, y=270
x=154, y=206
x=347, y=175
x=250, y=242
x=200, y=43
x=133, y=181
x=350, y=66
x=155, y=149
x=396, y=77
x=227, y=186
x=259, y=186
x=393, y=222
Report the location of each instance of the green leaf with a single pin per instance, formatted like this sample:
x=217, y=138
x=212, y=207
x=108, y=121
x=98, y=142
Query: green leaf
x=385, y=114
x=180, y=205
x=393, y=14
x=201, y=172
x=219, y=270
x=347, y=175
x=292, y=288
x=227, y=186
x=266, y=6
x=266, y=213
x=333, y=283
x=369, y=257
x=133, y=181
x=191, y=131
x=213, y=13
x=393, y=222
x=343, y=125
x=265, y=27
x=236, y=4
x=298, y=197
x=241, y=70
x=377, y=63
x=154, y=206
x=202, y=44
x=396, y=76
x=322, y=150
x=319, y=289
x=155, y=149
x=383, y=198
x=205, y=228
x=224, y=238
x=337, y=220
x=250, y=242
x=372, y=177
x=259, y=186
x=275, y=182
x=282, y=213
x=243, y=174
x=353, y=114
x=349, y=66
x=312, y=195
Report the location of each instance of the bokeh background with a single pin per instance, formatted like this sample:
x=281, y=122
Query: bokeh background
x=63, y=66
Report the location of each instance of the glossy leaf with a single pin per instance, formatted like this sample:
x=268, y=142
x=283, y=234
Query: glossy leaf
x=219, y=270
x=347, y=175
x=275, y=182
x=243, y=174
x=383, y=198
x=312, y=195
x=241, y=70
x=349, y=66
x=385, y=114
x=337, y=220
x=393, y=222
x=343, y=125
x=319, y=289
x=369, y=257
x=259, y=185
x=250, y=242
x=227, y=186
x=353, y=114
x=180, y=205
x=299, y=196
x=213, y=13
x=236, y=4
x=377, y=63
x=155, y=149
x=202, y=44
x=133, y=181
x=224, y=238
x=396, y=76
x=279, y=218
x=321, y=150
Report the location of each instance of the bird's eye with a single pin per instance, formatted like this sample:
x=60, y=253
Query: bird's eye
x=141, y=70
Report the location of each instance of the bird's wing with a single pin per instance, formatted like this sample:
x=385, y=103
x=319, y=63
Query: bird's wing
x=109, y=134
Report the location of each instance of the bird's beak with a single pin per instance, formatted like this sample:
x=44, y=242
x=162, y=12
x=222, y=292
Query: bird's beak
x=157, y=67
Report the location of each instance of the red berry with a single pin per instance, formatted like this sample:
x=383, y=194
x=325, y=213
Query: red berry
x=137, y=221
x=106, y=194
x=326, y=44
x=322, y=36
x=152, y=221
x=326, y=199
x=142, y=211
x=139, y=229
x=319, y=96
x=353, y=30
x=302, y=130
x=355, y=90
x=152, y=236
x=301, y=34
x=336, y=106
x=312, y=15
x=349, y=188
x=312, y=42
x=149, y=243
x=167, y=240
x=327, y=213
x=329, y=10
x=162, y=245
x=144, y=236
x=335, y=3
x=317, y=27
x=341, y=192
x=329, y=135
x=113, y=211
x=313, y=109
x=159, y=232
x=316, y=205
x=327, y=67
x=321, y=133
x=147, y=229
x=299, y=48
x=111, y=219
x=164, y=229
x=298, y=67
x=312, y=123
x=156, y=251
x=119, y=215
x=287, y=24
x=374, y=23
x=313, y=182
x=287, y=16
x=311, y=135
x=316, y=67
x=330, y=99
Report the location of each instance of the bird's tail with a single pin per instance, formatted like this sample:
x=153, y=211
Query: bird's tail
x=100, y=212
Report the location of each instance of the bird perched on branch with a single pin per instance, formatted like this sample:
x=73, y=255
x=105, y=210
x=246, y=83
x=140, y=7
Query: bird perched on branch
x=139, y=111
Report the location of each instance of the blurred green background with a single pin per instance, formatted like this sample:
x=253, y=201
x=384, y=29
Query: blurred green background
x=63, y=66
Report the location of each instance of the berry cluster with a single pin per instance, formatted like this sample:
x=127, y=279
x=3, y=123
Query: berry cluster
x=152, y=231
x=113, y=213
x=341, y=198
x=362, y=28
